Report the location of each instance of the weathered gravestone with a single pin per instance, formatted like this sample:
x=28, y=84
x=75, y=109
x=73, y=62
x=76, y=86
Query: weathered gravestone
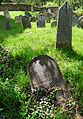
x=44, y=73
x=64, y=26
x=41, y=20
x=74, y=20
x=54, y=23
x=18, y=19
x=25, y=22
x=80, y=22
x=6, y=24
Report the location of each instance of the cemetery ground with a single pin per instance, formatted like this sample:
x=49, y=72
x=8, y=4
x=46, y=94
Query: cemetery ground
x=19, y=46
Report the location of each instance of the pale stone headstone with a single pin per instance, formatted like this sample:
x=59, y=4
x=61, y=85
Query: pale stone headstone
x=64, y=26
x=44, y=73
x=54, y=23
x=6, y=24
x=41, y=20
x=25, y=22
x=80, y=22
x=49, y=11
x=17, y=20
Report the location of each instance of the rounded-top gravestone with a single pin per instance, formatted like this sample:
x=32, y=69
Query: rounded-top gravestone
x=44, y=73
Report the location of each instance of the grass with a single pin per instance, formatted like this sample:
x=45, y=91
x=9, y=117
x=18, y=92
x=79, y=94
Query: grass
x=16, y=100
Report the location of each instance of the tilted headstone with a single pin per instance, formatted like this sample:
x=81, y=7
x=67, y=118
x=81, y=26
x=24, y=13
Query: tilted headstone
x=6, y=24
x=33, y=19
x=54, y=23
x=44, y=73
x=25, y=22
x=80, y=22
x=41, y=21
x=28, y=14
x=64, y=26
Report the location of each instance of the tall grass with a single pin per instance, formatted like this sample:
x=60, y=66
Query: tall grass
x=16, y=100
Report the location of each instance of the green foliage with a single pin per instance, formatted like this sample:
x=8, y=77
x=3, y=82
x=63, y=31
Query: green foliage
x=16, y=99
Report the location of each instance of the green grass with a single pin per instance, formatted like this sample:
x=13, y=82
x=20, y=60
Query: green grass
x=16, y=100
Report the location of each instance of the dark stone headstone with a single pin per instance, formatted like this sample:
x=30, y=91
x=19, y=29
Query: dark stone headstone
x=6, y=13
x=25, y=22
x=44, y=73
x=54, y=23
x=64, y=27
x=28, y=14
x=6, y=24
x=33, y=19
x=41, y=23
x=80, y=22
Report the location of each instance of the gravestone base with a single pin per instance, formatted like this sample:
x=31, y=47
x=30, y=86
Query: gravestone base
x=63, y=45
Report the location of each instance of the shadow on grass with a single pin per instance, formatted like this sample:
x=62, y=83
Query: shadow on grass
x=72, y=54
x=14, y=29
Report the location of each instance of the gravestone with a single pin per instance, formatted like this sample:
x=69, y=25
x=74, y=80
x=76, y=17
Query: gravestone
x=54, y=23
x=25, y=22
x=44, y=73
x=49, y=11
x=33, y=19
x=74, y=20
x=6, y=13
x=17, y=20
x=64, y=26
x=6, y=24
x=80, y=22
x=41, y=20
x=28, y=14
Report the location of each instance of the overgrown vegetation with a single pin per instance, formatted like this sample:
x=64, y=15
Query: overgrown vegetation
x=74, y=3
x=18, y=47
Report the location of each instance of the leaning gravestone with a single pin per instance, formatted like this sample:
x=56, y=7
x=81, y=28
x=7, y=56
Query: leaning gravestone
x=64, y=26
x=25, y=22
x=6, y=24
x=80, y=22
